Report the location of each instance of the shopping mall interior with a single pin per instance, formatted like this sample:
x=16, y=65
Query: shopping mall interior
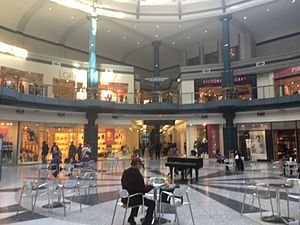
x=220, y=80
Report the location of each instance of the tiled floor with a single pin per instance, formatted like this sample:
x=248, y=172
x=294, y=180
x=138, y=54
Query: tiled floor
x=215, y=199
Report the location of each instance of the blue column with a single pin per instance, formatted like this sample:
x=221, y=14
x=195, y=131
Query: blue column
x=92, y=79
x=227, y=74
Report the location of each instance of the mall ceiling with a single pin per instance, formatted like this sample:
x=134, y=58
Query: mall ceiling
x=126, y=32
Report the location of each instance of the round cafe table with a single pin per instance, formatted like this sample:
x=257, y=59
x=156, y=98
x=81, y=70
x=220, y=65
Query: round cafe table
x=278, y=218
x=158, y=182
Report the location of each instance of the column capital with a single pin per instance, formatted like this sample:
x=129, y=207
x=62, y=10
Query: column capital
x=91, y=116
x=225, y=18
x=156, y=43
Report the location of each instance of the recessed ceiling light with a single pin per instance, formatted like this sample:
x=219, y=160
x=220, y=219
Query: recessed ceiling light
x=245, y=17
x=50, y=8
x=156, y=35
x=138, y=43
x=293, y=1
x=124, y=37
x=267, y=10
x=108, y=31
x=173, y=43
x=157, y=26
x=205, y=31
x=72, y=17
x=188, y=37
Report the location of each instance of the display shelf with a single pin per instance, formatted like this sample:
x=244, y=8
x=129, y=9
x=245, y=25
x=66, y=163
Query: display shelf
x=63, y=141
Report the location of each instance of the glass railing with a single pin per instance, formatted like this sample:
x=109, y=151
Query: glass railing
x=202, y=97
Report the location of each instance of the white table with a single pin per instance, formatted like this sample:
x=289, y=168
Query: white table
x=278, y=218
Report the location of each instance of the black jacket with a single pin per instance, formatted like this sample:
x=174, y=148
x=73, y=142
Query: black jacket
x=133, y=181
x=45, y=149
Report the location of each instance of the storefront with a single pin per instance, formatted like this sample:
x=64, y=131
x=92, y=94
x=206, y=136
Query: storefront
x=269, y=141
x=33, y=134
x=287, y=81
x=113, y=92
x=9, y=132
x=207, y=90
x=110, y=140
x=23, y=81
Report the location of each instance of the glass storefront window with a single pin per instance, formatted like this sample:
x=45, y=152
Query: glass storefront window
x=33, y=134
x=9, y=130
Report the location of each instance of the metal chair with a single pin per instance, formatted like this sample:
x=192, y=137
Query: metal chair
x=256, y=190
x=124, y=194
x=88, y=181
x=277, y=165
x=33, y=189
x=178, y=198
x=290, y=167
x=296, y=184
x=68, y=188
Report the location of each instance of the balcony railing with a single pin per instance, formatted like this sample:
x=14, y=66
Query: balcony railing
x=201, y=97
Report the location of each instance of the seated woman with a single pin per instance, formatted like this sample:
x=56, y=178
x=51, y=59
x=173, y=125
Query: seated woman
x=55, y=163
x=86, y=157
x=219, y=157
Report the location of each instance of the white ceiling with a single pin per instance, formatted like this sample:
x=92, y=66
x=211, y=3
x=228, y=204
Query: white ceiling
x=129, y=41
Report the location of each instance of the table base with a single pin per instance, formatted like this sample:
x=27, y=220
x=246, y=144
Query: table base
x=277, y=219
x=156, y=220
x=55, y=205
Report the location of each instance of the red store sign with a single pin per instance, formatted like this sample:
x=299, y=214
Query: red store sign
x=213, y=140
x=287, y=72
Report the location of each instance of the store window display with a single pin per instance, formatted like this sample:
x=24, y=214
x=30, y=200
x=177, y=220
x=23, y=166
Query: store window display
x=113, y=92
x=8, y=130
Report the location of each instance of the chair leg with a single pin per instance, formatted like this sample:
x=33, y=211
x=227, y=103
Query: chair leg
x=125, y=214
x=35, y=197
x=79, y=199
x=253, y=199
x=273, y=208
x=21, y=195
x=112, y=221
x=259, y=208
x=64, y=203
x=288, y=203
x=244, y=202
x=187, y=196
x=176, y=216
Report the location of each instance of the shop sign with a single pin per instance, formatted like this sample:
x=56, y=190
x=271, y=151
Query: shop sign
x=109, y=136
x=287, y=72
x=156, y=79
x=219, y=80
x=66, y=75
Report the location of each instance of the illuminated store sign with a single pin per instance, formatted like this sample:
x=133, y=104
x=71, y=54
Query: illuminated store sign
x=219, y=80
x=66, y=75
x=287, y=72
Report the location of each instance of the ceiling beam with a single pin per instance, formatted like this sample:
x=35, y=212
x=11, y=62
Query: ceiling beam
x=29, y=13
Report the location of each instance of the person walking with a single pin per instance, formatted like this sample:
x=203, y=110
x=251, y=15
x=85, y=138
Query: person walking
x=45, y=150
x=54, y=149
x=71, y=153
x=79, y=151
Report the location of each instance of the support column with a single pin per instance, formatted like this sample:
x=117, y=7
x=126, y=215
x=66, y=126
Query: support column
x=156, y=44
x=91, y=133
x=156, y=136
x=229, y=133
x=188, y=143
x=227, y=74
x=92, y=79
